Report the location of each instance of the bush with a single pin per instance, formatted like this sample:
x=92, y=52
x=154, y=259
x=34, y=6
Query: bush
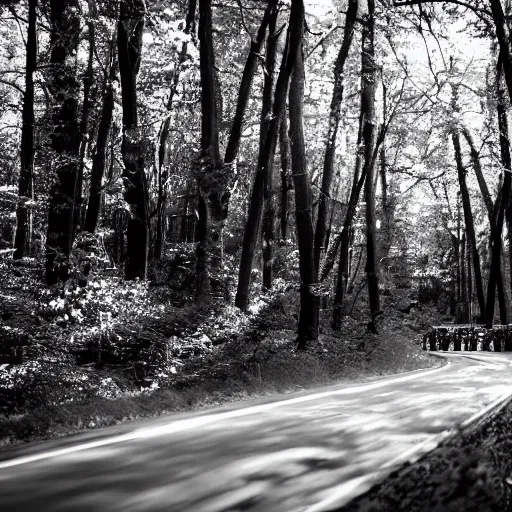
x=39, y=384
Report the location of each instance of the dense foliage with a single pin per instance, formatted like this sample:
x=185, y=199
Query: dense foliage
x=178, y=167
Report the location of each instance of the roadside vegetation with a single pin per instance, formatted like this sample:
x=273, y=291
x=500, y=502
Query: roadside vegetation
x=119, y=351
x=202, y=201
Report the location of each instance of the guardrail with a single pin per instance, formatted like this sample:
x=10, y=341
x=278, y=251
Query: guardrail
x=468, y=338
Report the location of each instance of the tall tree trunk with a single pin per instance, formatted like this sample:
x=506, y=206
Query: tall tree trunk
x=184, y=226
x=309, y=300
x=247, y=78
x=25, y=185
x=367, y=136
x=211, y=177
x=160, y=215
x=369, y=71
x=64, y=88
x=457, y=251
x=494, y=280
x=341, y=242
x=264, y=166
x=332, y=212
x=129, y=42
x=477, y=167
x=463, y=310
x=268, y=233
x=162, y=166
x=334, y=121
x=213, y=210
x=495, y=275
x=387, y=205
x=354, y=274
x=468, y=218
x=469, y=282
x=286, y=183
x=388, y=202
x=99, y=158
x=503, y=36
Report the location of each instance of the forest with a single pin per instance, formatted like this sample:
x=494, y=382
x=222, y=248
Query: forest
x=204, y=199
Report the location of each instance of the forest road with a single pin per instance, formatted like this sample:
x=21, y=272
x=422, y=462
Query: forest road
x=308, y=451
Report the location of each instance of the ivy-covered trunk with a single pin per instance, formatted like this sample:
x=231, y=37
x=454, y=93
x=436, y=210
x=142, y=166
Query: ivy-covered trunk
x=309, y=299
x=25, y=186
x=100, y=151
x=334, y=121
x=210, y=175
x=129, y=43
x=64, y=88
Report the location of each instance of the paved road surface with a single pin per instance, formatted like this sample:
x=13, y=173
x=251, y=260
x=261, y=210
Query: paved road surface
x=304, y=452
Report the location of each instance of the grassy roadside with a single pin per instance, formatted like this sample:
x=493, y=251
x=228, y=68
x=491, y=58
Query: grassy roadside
x=159, y=353
x=276, y=369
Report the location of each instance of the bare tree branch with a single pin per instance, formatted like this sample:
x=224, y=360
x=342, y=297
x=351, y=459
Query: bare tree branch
x=322, y=39
x=12, y=84
x=478, y=11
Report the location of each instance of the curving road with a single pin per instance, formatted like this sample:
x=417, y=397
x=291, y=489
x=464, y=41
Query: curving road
x=304, y=452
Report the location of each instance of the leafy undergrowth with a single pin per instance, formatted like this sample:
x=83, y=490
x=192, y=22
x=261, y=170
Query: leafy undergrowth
x=112, y=351
x=470, y=472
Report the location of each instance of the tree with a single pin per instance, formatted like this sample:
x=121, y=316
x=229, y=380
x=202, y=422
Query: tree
x=369, y=134
x=342, y=242
x=25, y=187
x=334, y=120
x=495, y=274
x=367, y=138
x=100, y=151
x=64, y=88
x=129, y=42
x=268, y=195
x=211, y=178
x=468, y=217
x=309, y=300
x=266, y=154
x=87, y=103
x=286, y=185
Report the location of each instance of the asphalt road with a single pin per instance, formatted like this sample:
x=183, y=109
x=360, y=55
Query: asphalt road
x=303, y=452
